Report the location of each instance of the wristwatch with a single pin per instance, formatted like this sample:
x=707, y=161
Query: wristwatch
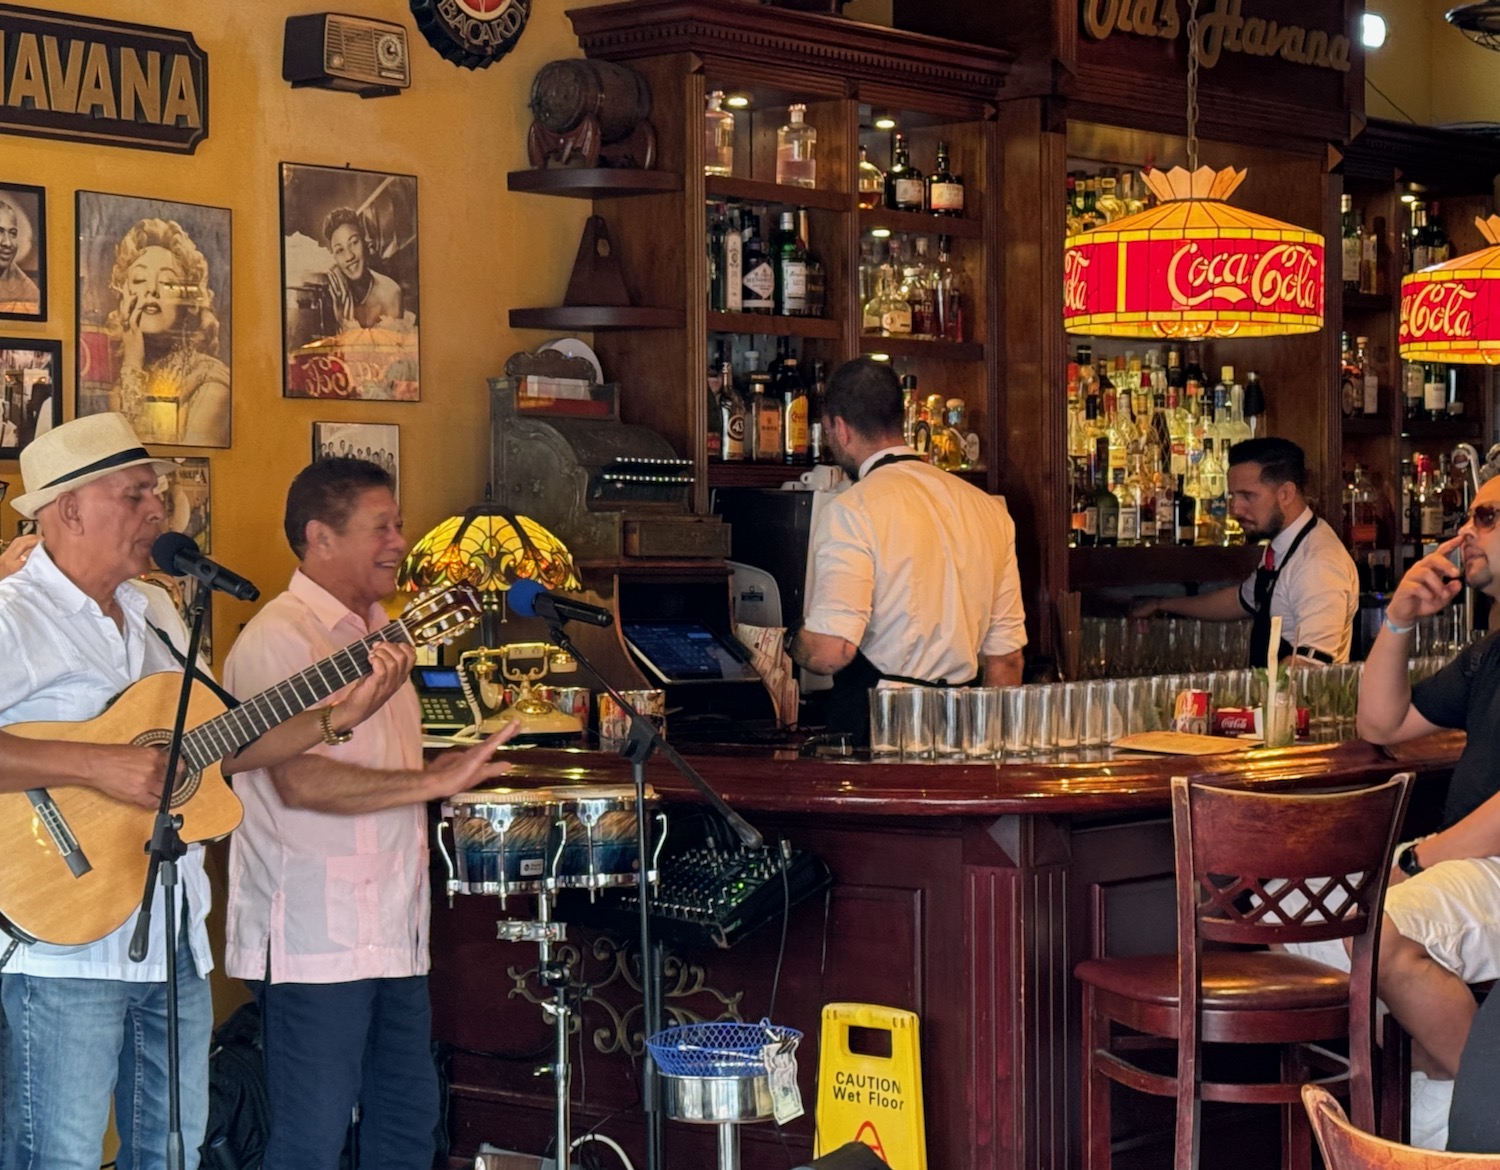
x=1406, y=861
x=331, y=737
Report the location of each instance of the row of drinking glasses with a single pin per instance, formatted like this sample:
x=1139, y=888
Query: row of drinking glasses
x=1121, y=647
x=984, y=723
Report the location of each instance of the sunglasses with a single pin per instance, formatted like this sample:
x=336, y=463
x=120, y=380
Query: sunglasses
x=1484, y=516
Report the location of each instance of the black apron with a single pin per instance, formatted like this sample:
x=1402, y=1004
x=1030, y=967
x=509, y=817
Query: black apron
x=1265, y=588
x=849, y=700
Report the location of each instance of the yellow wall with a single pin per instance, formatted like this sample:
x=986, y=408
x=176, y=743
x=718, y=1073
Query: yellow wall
x=483, y=250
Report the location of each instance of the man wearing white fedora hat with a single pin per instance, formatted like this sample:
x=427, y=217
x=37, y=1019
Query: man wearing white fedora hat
x=81, y=1022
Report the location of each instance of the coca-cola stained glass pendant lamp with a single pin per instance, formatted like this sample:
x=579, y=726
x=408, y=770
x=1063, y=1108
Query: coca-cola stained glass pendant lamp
x=1451, y=311
x=1193, y=266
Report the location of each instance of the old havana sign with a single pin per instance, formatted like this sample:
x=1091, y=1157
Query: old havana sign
x=101, y=81
x=1225, y=29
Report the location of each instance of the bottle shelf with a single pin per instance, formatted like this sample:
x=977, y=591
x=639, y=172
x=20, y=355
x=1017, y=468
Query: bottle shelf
x=743, y=473
x=920, y=223
x=596, y=317
x=1418, y=430
x=1368, y=302
x=775, y=326
x=1162, y=564
x=593, y=182
x=1377, y=425
x=760, y=191
x=921, y=347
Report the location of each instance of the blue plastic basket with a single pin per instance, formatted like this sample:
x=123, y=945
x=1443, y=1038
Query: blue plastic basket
x=717, y=1049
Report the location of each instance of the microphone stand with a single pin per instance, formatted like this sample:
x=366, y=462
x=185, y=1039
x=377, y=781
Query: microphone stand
x=165, y=847
x=641, y=742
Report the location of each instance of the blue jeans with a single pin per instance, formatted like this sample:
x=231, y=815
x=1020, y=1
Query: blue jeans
x=68, y=1044
x=330, y=1046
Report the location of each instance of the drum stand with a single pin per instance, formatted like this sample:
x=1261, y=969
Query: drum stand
x=552, y=971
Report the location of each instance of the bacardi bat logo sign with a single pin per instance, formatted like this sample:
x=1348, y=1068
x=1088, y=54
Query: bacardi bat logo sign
x=472, y=33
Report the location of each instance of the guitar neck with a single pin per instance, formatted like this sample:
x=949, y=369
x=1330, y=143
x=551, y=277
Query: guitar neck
x=226, y=734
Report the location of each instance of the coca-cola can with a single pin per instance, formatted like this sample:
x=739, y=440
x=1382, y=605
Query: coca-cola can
x=1192, y=712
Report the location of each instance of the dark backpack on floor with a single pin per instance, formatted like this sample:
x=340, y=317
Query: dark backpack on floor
x=239, y=1110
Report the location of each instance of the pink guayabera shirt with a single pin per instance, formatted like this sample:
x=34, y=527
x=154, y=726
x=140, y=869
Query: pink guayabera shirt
x=322, y=897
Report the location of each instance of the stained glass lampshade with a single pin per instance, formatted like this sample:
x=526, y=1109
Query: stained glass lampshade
x=1451, y=311
x=490, y=548
x=1193, y=266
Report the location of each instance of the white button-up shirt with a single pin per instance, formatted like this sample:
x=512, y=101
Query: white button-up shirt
x=324, y=897
x=1317, y=591
x=65, y=660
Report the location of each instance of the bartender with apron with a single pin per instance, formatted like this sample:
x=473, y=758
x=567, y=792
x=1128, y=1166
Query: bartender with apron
x=1306, y=576
x=914, y=578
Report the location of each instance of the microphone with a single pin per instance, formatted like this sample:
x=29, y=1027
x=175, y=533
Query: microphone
x=529, y=599
x=178, y=554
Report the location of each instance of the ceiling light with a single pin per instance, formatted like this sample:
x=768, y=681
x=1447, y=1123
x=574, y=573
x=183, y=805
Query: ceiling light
x=879, y=357
x=880, y=233
x=738, y=100
x=885, y=122
x=1372, y=30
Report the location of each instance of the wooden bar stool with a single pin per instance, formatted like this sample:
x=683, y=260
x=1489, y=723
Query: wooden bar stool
x=1259, y=869
x=1348, y=1148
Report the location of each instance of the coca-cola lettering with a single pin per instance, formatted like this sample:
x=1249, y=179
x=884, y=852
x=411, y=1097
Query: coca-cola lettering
x=1223, y=29
x=1075, y=282
x=1207, y=276
x=1438, y=310
x=1289, y=274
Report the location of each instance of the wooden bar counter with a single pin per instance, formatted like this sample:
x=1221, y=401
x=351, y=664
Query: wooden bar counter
x=963, y=892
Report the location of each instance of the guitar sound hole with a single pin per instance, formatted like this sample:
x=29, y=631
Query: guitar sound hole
x=187, y=787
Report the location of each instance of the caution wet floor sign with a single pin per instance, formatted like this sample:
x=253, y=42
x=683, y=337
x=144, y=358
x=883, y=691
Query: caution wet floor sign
x=871, y=1091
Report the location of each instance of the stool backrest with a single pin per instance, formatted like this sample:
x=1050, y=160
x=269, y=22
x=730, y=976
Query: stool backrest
x=1347, y=1148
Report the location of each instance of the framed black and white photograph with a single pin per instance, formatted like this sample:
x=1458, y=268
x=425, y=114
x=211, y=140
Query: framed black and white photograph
x=184, y=493
x=30, y=391
x=23, y=252
x=349, y=275
x=154, y=316
x=378, y=442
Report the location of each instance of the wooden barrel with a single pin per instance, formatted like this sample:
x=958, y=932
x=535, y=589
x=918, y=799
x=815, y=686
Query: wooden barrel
x=563, y=93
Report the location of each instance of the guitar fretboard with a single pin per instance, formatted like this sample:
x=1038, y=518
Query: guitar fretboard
x=225, y=734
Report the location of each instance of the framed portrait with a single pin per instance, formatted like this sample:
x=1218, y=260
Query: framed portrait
x=154, y=301
x=30, y=391
x=349, y=279
x=23, y=252
x=184, y=494
x=378, y=442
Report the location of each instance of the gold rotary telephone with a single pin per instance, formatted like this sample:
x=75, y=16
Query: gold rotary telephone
x=525, y=663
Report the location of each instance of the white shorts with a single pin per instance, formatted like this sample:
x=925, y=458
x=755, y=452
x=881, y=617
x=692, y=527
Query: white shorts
x=1451, y=909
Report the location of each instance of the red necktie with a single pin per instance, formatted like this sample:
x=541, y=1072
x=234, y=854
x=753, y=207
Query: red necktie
x=1270, y=561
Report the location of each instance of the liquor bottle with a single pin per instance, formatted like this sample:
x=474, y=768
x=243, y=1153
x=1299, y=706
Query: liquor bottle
x=1132, y=201
x=1089, y=217
x=1080, y=534
x=1186, y=508
x=1072, y=223
x=911, y=408
x=1409, y=524
x=1361, y=529
x=1104, y=499
x=734, y=265
x=765, y=420
x=1369, y=380
x=945, y=190
x=759, y=280
x=949, y=442
x=1451, y=492
x=1370, y=277
x=713, y=440
x=921, y=427
x=1439, y=247
x=1255, y=402
x=1412, y=390
x=1144, y=476
x=916, y=287
x=1213, y=496
x=904, y=189
x=817, y=449
x=1350, y=389
x=1352, y=231
x=1430, y=507
x=796, y=143
x=869, y=183
x=718, y=296
x=1108, y=204
x=792, y=391
x=948, y=294
x=1418, y=245
x=718, y=136
x=817, y=278
x=732, y=417
x=1127, y=492
x=1435, y=391
x=891, y=308
x=789, y=263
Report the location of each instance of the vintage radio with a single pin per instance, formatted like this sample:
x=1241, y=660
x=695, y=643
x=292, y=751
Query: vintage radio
x=351, y=53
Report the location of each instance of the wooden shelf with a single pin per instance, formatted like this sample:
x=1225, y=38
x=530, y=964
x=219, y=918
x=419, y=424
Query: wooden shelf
x=1367, y=425
x=596, y=317
x=1094, y=568
x=920, y=347
x=774, y=326
x=759, y=475
x=1368, y=302
x=1463, y=428
x=920, y=223
x=760, y=191
x=593, y=182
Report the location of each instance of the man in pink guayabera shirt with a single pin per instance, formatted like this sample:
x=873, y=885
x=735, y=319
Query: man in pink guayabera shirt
x=328, y=897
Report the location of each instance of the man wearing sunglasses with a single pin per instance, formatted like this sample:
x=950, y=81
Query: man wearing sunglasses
x=1442, y=911
x=1306, y=576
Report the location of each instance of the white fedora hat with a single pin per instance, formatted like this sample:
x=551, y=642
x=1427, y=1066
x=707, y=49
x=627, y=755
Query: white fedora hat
x=76, y=453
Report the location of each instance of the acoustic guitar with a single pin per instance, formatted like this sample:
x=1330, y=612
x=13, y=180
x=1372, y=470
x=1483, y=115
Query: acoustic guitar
x=73, y=861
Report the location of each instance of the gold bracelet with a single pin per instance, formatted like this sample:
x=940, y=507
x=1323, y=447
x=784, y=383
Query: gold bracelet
x=331, y=737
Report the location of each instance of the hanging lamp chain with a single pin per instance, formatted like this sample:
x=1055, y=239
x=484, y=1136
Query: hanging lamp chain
x=1192, y=87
